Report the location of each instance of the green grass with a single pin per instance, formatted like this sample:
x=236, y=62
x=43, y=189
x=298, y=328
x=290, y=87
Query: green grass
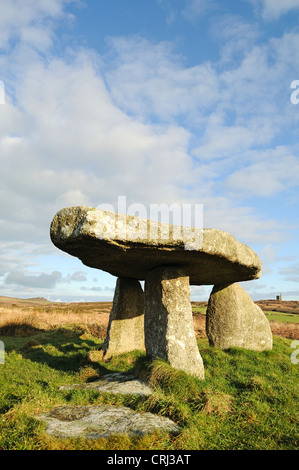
x=248, y=400
x=282, y=317
x=271, y=315
x=197, y=309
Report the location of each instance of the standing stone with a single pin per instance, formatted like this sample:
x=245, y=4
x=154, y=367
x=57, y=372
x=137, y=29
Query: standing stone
x=169, y=331
x=125, y=331
x=234, y=320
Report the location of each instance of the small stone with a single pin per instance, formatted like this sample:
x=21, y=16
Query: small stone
x=234, y=320
x=169, y=330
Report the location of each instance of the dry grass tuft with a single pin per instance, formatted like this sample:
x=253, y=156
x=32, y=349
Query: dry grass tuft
x=16, y=322
x=32, y=343
x=199, y=322
x=95, y=355
x=216, y=402
x=88, y=374
x=27, y=321
x=286, y=330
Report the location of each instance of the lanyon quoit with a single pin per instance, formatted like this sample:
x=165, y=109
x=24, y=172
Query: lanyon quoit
x=159, y=319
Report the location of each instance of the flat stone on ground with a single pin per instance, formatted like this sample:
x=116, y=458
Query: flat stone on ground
x=116, y=382
x=96, y=421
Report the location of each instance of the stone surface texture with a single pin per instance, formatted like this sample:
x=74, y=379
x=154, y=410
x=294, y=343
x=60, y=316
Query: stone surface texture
x=169, y=331
x=117, y=382
x=125, y=331
x=128, y=246
x=96, y=421
x=234, y=320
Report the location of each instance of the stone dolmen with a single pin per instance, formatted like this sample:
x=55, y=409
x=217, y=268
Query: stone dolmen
x=169, y=259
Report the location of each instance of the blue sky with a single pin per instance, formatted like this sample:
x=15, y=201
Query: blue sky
x=163, y=101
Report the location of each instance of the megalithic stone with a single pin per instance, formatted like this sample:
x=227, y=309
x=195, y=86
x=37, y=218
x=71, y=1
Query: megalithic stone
x=234, y=320
x=169, y=331
x=128, y=246
x=131, y=247
x=125, y=330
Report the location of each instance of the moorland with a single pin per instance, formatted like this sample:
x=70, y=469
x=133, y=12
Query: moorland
x=248, y=400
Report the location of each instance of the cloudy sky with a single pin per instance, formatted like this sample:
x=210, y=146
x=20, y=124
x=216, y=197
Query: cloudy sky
x=161, y=101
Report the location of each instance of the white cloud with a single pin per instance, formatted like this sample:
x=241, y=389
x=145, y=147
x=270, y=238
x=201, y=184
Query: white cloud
x=64, y=142
x=190, y=10
x=290, y=273
x=236, y=37
x=84, y=129
x=77, y=276
x=231, y=106
x=271, y=173
x=243, y=222
x=74, y=141
x=224, y=141
x=195, y=8
x=73, y=197
x=273, y=9
x=41, y=280
x=107, y=289
x=252, y=111
x=150, y=80
x=30, y=21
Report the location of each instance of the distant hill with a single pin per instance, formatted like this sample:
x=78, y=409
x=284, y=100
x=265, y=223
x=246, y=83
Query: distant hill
x=288, y=306
x=38, y=299
x=16, y=301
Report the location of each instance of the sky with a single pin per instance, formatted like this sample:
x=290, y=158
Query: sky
x=160, y=101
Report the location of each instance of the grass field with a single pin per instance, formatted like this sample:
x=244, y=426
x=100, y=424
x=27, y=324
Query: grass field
x=271, y=315
x=282, y=317
x=248, y=400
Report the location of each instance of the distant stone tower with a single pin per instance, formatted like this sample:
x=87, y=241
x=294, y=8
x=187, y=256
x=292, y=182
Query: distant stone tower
x=278, y=297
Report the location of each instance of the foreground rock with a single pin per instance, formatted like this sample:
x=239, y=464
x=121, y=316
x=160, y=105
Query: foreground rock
x=234, y=320
x=96, y=421
x=169, y=330
x=127, y=246
x=126, y=323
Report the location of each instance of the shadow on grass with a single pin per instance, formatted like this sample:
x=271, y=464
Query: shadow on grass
x=62, y=349
x=18, y=330
x=66, y=350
